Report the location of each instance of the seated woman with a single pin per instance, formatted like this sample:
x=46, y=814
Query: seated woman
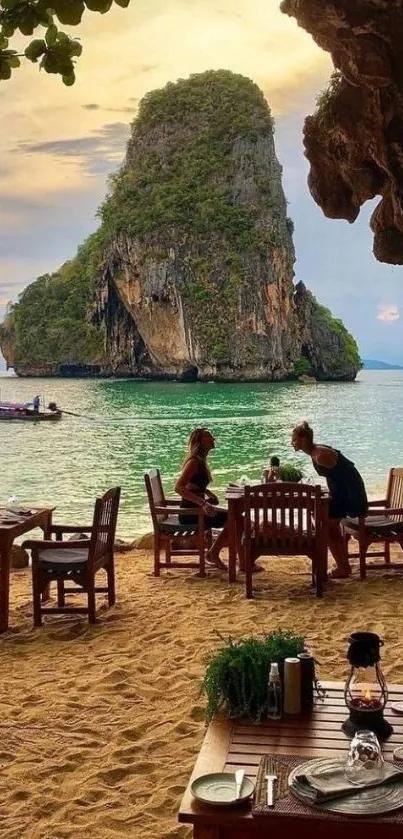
x=346, y=488
x=192, y=486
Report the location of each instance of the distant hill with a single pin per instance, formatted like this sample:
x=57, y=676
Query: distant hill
x=371, y=364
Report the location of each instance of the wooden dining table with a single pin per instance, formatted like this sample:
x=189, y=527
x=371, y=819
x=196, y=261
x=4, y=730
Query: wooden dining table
x=10, y=529
x=233, y=744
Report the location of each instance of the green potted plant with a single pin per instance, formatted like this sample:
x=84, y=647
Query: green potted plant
x=289, y=472
x=235, y=682
x=292, y=474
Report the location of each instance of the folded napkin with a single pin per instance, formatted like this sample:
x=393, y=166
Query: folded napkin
x=327, y=784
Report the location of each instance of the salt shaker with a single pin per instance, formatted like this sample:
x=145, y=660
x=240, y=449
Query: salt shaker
x=292, y=686
x=274, y=694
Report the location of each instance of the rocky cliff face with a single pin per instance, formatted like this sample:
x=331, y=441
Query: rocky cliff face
x=191, y=273
x=200, y=250
x=328, y=351
x=354, y=140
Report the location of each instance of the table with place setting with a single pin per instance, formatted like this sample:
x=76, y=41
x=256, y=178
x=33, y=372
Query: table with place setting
x=14, y=522
x=294, y=750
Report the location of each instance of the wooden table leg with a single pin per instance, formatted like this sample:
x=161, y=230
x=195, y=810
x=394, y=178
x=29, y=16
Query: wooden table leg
x=5, y=552
x=203, y=831
x=232, y=512
x=47, y=524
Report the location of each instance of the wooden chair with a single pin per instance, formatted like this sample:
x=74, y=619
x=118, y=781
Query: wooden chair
x=383, y=525
x=286, y=519
x=168, y=529
x=77, y=561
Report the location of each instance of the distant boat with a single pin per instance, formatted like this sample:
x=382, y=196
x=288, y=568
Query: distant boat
x=18, y=411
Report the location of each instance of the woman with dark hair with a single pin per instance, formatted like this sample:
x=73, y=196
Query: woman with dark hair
x=346, y=489
x=192, y=487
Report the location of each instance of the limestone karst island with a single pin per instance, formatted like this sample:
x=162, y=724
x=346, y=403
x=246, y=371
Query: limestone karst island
x=190, y=275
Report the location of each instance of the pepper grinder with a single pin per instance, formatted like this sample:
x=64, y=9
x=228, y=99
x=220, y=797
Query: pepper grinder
x=292, y=686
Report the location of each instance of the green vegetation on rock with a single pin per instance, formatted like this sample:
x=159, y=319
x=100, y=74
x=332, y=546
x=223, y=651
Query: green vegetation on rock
x=183, y=185
x=302, y=367
x=348, y=351
x=49, y=324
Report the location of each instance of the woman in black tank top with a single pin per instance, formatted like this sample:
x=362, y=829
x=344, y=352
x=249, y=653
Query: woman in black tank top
x=346, y=489
x=192, y=485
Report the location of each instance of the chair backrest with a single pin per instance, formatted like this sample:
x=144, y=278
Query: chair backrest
x=155, y=493
x=104, y=525
x=286, y=517
x=394, y=494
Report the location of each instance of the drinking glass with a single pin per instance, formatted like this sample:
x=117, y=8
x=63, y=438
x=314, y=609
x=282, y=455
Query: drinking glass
x=364, y=762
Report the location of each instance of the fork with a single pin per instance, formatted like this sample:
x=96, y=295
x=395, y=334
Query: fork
x=271, y=778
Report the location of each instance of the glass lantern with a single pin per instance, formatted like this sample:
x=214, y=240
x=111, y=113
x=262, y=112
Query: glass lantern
x=366, y=692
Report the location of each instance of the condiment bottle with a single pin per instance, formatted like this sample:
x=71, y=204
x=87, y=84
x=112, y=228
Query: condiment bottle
x=307, y=680
x=292, y=686
x=274, y=694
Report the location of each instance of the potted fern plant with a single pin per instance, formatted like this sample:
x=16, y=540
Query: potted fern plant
x=235, y=681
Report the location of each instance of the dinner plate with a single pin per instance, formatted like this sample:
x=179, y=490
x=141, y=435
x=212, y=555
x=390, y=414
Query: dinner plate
x=374, y=801
x=219, y=789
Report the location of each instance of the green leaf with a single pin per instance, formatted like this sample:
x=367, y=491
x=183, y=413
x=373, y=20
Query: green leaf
x=5, y=71
x=123, y=3
x=75, y=48
x=51, y=35
x=13, y=62
x=69, y=80
x=69, y=12
x=101, y=6
x=7, y=30
x=35, y=49
x=3, y=42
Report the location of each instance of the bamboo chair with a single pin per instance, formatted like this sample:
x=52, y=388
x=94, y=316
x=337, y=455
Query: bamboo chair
x=168, y=530
x=77, y=561
x=286, y=519
x=382, y=526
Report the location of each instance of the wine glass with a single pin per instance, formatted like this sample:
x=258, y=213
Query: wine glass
x=365, y=762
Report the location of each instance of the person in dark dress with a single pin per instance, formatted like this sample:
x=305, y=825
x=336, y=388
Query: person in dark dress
x=192, y=486
x=347, y=492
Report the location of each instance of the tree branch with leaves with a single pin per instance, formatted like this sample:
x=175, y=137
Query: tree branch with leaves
x=55, y=52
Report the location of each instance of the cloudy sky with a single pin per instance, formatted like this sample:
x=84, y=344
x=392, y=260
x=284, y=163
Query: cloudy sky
x=58, y=145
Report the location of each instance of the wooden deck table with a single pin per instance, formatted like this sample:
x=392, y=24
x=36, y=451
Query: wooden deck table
x=230, y=745
x=42, y=518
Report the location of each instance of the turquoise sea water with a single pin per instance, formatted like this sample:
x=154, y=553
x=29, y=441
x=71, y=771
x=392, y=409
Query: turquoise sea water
x=131, y=426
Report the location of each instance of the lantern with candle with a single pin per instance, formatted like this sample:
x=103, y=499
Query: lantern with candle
x=366, y=692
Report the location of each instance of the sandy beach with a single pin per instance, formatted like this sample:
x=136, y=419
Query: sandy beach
x=100, y=726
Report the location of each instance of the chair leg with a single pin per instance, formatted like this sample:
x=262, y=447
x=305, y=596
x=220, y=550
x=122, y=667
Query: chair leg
x=248, y=575
x=363, y=547
x=91, y=600
x=168, y=552
x=157, y=549
x=319, y=565
x=202, y=548
x=36, y=595
x=110, y=573
x=61, y=602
